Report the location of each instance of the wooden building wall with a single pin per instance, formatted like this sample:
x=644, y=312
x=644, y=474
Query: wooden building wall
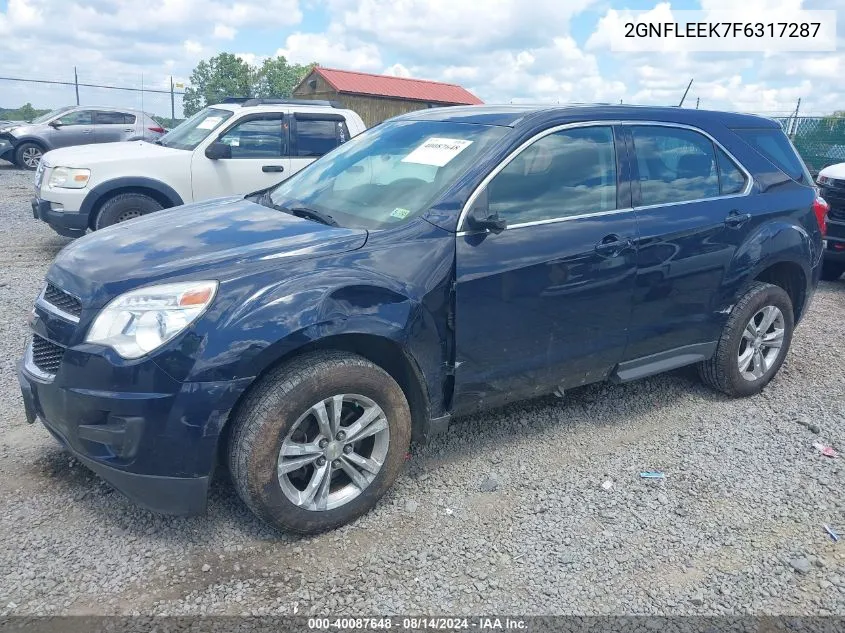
x=373, y=110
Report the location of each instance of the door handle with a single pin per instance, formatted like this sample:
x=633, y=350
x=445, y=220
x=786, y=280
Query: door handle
x=129, y=129
x=272, y=168
x=612, y=245
x=88, y=131
x=736, y=219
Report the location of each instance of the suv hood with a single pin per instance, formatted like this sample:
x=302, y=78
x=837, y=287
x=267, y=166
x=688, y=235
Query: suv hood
x=217, y=239
x=88, y=155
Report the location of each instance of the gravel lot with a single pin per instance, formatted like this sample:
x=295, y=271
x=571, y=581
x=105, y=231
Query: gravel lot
x=736, y=527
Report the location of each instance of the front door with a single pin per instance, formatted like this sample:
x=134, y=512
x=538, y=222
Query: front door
x=693, y=215
x=74, y=128
x=259, y=158
x=547, y=301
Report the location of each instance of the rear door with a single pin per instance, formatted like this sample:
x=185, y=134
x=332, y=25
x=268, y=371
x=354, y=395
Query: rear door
x=259, y=158
x=693, y=213
x=313, y=135
x=547, y=301
x=111, y=126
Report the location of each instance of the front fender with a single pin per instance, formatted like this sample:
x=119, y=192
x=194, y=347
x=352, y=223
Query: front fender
x=97, y=193
x=273, y=322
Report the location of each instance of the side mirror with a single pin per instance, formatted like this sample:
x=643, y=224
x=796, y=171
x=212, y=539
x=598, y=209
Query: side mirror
x=55, y=124
x=480, y=218
x=218, y=150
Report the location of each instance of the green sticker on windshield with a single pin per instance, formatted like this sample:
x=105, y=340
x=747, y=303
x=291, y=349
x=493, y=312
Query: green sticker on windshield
x=400, y=213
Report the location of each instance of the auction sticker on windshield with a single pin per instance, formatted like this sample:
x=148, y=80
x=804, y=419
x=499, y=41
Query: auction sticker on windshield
x=437, y=151
x=210, y=123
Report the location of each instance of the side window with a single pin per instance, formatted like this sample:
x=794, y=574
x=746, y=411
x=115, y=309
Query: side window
x=256, y=138
x=80, y=117
x=129, y=119
x=773, y=144
x=731, y=179
x=109, y=118
x=674, y=165
x=567, y=173
x=315, y=137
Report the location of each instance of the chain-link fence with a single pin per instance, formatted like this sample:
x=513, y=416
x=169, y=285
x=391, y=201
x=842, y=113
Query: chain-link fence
x=159, y=96
x=819, y=140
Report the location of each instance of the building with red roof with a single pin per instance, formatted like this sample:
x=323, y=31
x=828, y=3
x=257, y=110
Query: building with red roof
x=379, y=97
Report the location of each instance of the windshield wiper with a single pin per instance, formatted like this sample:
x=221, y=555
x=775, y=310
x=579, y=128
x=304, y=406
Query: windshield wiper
x=307, y=213
x=158, y=142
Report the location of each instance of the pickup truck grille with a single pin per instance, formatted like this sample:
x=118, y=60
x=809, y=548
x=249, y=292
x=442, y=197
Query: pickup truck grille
x=63, y=301
x=834, y=195
x=46, y=355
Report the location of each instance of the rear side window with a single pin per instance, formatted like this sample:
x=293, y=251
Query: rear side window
x=315, y=137
x=773, y=144
x=114, y=118
x=571, y=172
x=731, y=178
x=675, y=165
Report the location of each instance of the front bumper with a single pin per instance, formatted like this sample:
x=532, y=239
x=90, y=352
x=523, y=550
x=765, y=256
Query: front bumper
x=835, y=251
x=158, y=447
x=7, y=150
x=64, y=222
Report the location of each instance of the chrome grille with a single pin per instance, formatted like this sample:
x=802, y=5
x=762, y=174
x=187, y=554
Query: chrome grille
x=63, y=301
x=46, y=355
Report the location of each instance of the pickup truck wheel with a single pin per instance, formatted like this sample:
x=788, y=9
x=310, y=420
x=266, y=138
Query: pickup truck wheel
x=831, y=271
x=28, y=155
x=318, y=441
x=754, y=342
x=123, y=207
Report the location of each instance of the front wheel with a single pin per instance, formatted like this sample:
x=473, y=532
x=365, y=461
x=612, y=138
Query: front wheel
x=123, y=207
x=753, y=344
x=318, y=441
x=28, y=155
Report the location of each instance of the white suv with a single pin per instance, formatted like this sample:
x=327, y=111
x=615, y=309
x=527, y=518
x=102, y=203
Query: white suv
x=223, y=150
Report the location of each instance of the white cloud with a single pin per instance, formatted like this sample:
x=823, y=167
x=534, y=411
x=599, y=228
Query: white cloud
x=223, y=32
x=331, y=50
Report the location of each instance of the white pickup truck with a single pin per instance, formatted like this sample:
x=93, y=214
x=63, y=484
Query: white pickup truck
x=223, y=150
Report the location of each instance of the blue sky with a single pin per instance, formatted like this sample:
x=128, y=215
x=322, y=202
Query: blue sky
x=503, y=50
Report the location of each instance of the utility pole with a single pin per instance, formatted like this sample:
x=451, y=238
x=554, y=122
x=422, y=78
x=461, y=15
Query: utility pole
x=172, y=102
x=142, y=92
x=685, y=93
x=697, y=101
x=76, y=84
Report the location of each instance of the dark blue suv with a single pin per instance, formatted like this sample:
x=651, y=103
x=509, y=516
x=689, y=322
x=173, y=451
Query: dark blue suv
x=443, y=262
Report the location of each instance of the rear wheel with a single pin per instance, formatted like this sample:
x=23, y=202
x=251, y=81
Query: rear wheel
x=831, y=271
x=318, y=441
x=753, y=344
x=28, y=155
x=123, y=207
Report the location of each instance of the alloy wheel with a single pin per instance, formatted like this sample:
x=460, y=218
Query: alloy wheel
x=761, y=343
x=31, y=156
x=333, y=452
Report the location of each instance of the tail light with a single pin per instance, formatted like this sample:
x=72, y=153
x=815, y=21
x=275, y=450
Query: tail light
x=160, y=130
x=821, y=208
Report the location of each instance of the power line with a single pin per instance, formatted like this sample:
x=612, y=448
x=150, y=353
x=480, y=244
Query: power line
x=71, y=83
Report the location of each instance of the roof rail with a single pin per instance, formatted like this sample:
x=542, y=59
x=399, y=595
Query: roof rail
x=304, y=102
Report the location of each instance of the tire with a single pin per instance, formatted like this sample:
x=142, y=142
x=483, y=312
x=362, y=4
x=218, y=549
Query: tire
x=28, y=155
x=277, y=414
x=722, y=371
x=123, y=207
x=831, y=271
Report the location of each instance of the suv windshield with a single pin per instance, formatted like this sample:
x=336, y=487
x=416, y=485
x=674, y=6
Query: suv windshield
x=388, y=174
x=46, y=117
x=190, y=133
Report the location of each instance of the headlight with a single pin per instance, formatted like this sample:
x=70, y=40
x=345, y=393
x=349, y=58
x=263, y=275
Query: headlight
x=69, y=177
x=140, y=321
x=822, y=180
